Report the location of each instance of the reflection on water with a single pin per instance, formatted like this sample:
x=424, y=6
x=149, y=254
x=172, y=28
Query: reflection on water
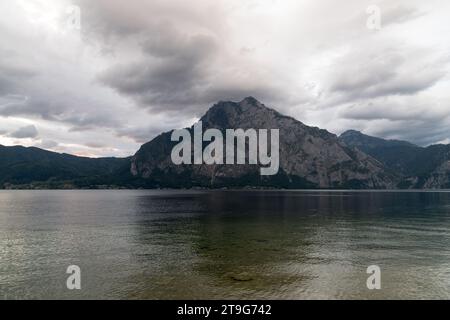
x=224, y=244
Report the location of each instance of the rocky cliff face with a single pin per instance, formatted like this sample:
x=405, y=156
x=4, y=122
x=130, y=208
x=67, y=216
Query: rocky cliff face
x=430, y=168
x=394, y=154
x=420, y=168
x=438, y=178
x=309, y=157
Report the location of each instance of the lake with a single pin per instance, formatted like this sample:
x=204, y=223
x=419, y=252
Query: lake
x=224, y=244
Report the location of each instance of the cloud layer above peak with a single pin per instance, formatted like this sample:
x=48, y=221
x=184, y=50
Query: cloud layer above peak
x=140, y=67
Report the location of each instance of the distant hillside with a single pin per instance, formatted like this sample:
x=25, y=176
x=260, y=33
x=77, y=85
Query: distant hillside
x=395, y=154
x=363, y=141
x=34, y=167
x=420, y=167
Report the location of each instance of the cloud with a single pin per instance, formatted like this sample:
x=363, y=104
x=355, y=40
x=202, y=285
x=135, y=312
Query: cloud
x=62, y=109
x=423, y=108
x=25, y=132
x=171, y=74
x=181, y=61
x=181, y=72
x=48, y=144
x=423, y=119
x=398, y=14
x=12, y=75
x=420, y=132
x=95, y=145
x=140, y=68
x=385, y=71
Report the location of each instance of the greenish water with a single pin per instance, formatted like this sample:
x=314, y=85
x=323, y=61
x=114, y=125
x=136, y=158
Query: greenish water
x=224, y=244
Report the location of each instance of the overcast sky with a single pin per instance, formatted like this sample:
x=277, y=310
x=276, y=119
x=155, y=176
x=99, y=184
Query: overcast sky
x=139, y=67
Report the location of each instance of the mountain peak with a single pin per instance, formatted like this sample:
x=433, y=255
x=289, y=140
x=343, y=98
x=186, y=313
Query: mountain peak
x=351, y=133
x=358, y=139
x=308, y=157
x=228, y=113
x=246, y=102
x=250, y=100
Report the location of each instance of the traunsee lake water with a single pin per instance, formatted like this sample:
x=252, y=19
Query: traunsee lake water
x=224, y=244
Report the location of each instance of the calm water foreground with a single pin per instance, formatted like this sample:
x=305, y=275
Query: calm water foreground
x=224, y=244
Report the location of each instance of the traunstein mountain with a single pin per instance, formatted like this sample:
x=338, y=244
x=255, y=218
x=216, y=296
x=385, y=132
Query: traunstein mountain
x=309, y=157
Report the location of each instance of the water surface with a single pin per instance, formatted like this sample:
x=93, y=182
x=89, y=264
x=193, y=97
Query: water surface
x=224, y=244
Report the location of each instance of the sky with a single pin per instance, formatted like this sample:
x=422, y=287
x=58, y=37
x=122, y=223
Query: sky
x=101, y=77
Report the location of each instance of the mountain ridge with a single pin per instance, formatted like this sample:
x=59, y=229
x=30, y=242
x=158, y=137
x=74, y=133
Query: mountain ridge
x=310, y=157
x=30, y=167
x=420, y=167
x=354, y=134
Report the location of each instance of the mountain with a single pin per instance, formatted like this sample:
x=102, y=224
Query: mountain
x=309, y=157
x=365, y=142
x=36, y=168
x=394, y=154
x=420, y=168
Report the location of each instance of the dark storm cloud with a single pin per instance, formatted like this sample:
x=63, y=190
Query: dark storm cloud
x=25, y=132
x=48, y=144
x=139, y=135
x=422, y=133
x=180, y=62
x=395, y=110
x=179, y=73
x=11, y=76
x=385, y=72
x=115, y=19
x=138, y=68
x=421, y=119
x=59, y=109
x=172, y=73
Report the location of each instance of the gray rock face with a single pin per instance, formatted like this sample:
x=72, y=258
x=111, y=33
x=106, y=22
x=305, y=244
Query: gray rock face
x=365, y=142
x=420, y=168
x=439, y=178
x=309, y=157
